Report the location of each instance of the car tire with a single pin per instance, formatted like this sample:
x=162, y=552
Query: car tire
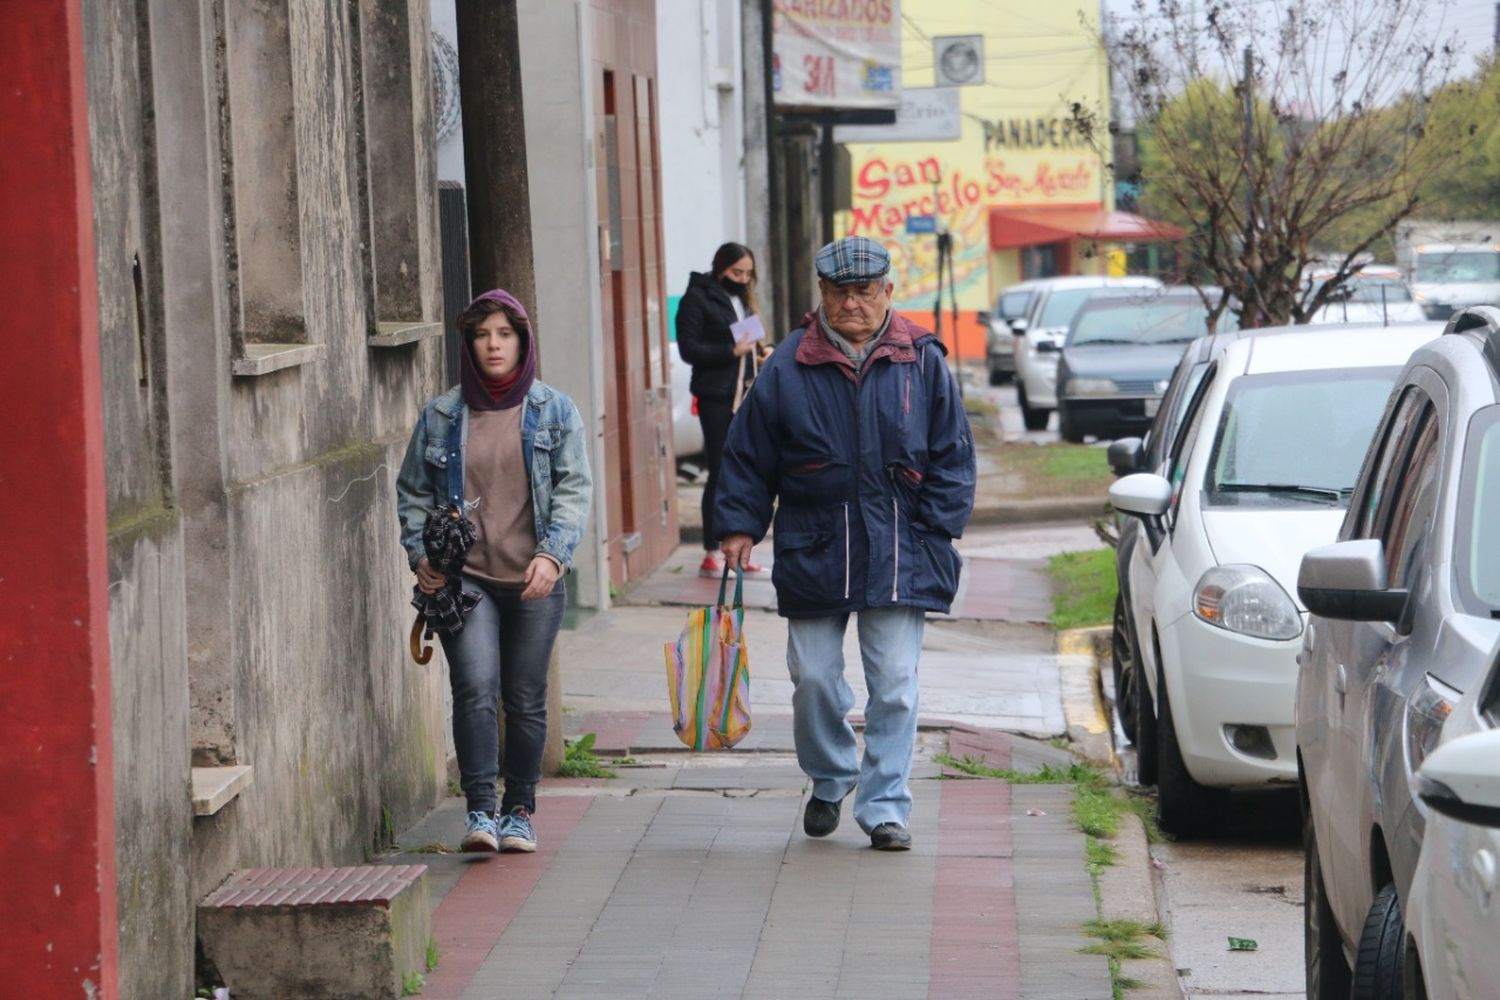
x=1145, y=729
x=1382, y=950
x=1035, y=420
x=1066, y=428
x=1328, y=976
x=1184, y=808
x=997, y=377
x=1123, y=663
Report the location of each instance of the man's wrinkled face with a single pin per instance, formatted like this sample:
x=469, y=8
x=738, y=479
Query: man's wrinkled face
x=856, y=310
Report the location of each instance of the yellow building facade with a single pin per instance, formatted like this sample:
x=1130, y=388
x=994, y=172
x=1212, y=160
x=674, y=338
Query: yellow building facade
x=1025, y=190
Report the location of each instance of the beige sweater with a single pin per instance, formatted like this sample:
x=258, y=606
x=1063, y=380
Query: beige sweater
x=495, y=474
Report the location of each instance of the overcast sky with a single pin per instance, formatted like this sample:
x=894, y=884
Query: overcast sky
x=1472, y=21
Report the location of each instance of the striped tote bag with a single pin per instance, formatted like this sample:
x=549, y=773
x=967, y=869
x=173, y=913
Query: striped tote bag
x=708, y=673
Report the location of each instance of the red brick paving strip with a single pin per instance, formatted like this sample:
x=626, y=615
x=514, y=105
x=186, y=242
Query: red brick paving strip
x=617, y=733
x=477, y=910
x=975, y=939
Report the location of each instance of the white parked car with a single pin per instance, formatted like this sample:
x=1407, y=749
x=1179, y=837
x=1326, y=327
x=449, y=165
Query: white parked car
x=1374, y=295
x=1260, y=473
x=1450, y=912
x=1040, y=336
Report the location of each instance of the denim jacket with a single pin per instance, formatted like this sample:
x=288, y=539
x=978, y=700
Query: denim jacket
x=556, y=455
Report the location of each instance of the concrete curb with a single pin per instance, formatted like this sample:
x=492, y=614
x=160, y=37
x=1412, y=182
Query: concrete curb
x=1083, y=701
x=1131, y=888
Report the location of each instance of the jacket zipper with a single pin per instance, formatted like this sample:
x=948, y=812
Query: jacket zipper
x=846, y=550
x=895, y=549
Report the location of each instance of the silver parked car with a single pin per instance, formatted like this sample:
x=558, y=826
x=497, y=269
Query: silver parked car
x=1403, y=622
x=1039, y=338
x=1002, y=326
x=1450, y=913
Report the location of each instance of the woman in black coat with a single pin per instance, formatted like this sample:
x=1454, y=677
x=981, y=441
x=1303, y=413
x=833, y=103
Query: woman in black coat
x=711, y=303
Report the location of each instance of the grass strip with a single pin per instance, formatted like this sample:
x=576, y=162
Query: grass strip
x=1084, y=588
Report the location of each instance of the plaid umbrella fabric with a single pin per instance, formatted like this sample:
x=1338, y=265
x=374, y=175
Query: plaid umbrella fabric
x=448, y=535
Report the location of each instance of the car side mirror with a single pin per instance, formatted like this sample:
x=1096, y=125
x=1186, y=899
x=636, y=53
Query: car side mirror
x=1460, y=779
x=1347, y=581
x=1047, y=347
x=1144, y=495
x=1018, y=326
x=1125, y=456
x=982, y=316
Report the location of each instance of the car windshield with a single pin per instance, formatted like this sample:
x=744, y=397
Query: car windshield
x=1461, y=265
x=1174, y=321
x=1063, y=304
x=1371, y=289
x=1013, y=305
x=1264, y=454
x=1479, y=570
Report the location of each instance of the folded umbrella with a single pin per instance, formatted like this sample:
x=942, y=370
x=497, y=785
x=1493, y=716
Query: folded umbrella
x=447, y=536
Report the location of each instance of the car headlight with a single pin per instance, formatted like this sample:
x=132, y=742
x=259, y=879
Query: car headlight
x=1418, y=297
x=1245, y=599
x=1426, y=711
x=1091, y=387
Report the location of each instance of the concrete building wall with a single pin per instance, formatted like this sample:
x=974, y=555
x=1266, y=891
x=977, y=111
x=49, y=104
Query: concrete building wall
x=258, y=593
x=564, y=212
x=703, y=134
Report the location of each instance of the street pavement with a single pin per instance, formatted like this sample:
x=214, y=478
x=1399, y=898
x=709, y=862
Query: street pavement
x=687, y=875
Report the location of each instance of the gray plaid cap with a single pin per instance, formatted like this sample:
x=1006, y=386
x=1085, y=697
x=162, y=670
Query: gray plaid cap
x=852, y=260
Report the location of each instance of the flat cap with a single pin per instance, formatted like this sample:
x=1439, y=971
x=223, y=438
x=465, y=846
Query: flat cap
x=852, y=260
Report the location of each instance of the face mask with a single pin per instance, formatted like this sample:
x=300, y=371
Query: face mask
x=733, y=287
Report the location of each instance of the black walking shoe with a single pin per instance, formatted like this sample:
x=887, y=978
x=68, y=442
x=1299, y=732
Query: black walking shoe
x=821, y=817
x=890, y=837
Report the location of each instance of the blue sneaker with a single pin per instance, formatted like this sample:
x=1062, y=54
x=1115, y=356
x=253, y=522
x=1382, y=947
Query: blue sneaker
x=516, y=833
x=480, y=835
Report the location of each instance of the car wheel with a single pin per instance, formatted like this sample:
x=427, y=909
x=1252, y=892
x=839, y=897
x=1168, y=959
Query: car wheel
x=1382, y=950
x=1122, y=661
x=1184, y=807
x=1145, y=729
x=1328, y=976
x=998, y=377
x=1066, y=428
x=1035, y=420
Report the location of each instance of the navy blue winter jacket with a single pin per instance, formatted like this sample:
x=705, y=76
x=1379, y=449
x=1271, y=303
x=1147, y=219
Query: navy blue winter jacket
x=871, y=475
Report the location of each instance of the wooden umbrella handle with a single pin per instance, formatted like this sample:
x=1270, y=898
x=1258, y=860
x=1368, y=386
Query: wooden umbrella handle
x=422, y=654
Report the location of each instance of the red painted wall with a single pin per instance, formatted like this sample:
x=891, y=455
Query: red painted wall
x=57, y=861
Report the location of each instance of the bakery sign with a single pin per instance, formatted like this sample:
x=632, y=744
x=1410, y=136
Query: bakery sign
x=837, y=53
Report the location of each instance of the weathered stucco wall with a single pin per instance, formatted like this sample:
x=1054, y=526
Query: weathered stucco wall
x=258, y=606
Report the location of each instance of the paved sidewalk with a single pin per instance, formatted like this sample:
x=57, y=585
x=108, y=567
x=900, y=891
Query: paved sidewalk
x=688, y=876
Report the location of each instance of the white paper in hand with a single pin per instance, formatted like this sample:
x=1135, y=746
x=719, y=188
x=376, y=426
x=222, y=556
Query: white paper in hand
x=748, y=329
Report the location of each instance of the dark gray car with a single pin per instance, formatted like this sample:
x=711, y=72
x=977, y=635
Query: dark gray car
x=1118, y=358
x=1404, y=615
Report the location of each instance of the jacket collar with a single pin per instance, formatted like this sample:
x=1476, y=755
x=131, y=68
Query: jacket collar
x=451, y=403
x=898, y=344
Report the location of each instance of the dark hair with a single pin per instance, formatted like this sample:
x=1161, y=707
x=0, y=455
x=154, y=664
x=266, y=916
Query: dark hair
x=470, y=318
x=726, y=257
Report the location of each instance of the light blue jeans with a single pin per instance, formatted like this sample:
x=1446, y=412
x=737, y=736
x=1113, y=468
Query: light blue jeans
x=890, y=642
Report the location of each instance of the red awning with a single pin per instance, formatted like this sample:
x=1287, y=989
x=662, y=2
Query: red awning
x=1025, y=227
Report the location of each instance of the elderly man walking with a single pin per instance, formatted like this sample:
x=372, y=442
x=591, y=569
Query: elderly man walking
x=855, y=435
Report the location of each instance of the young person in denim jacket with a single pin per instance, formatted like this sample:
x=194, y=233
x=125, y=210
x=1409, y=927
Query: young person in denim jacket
x=513, y=450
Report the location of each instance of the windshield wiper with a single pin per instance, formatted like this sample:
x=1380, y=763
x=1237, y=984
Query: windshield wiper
x=1321, y=492
x=1102, y=340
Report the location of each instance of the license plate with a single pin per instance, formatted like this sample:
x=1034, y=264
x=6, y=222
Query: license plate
x=1152, y=405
